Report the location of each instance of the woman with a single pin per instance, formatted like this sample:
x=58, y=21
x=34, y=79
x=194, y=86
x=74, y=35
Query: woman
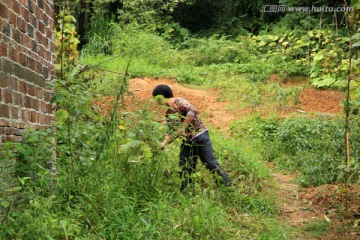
x=183, y=121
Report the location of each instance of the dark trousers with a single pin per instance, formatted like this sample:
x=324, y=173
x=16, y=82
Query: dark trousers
x=199, y=147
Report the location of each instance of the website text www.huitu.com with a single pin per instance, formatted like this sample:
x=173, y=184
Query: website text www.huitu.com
x=315, y=9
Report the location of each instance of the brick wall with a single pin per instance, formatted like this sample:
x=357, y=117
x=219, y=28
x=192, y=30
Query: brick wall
x=26, y=65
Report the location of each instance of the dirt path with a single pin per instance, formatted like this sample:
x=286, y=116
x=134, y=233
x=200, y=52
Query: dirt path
x=294, y=211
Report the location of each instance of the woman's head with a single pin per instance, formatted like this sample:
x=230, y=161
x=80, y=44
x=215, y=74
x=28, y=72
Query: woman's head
x=163, y=90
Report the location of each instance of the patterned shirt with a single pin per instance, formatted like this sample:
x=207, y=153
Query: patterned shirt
x=175, y=116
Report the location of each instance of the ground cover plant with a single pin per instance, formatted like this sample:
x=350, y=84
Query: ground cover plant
x=96, y=175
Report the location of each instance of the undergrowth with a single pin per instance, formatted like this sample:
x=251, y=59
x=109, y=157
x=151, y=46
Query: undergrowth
x=108, y=179
x=312, y=146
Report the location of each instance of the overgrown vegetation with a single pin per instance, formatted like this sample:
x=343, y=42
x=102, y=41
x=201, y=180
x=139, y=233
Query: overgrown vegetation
x=108, y=178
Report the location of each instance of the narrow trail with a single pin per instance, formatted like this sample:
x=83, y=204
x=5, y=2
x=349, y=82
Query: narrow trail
x=294, y=212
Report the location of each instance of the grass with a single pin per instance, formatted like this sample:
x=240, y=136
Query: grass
x=317, y=229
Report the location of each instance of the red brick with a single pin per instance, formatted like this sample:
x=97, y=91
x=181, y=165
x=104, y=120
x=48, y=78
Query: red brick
x=41, y=4
x=3, y=49
x=22, y=86
x=14, y=112
x=40, y=93
x=15, y=55
x=16, y=34
x=7, y=96
x=30, y=63
x=11, y=138
x=18, y=99
x=26, y=41
x=42, y=107
x=23, y=2
x=12, y=17
x=30, y=5
x=25, y=115
x=16, y=7
x=41, y=118
x=3, y=11
x=31, y=90
x=21, y=24
x=4, y=110
x=26, y=14
x=32, y=117
x=22, y=59
x=27, y=101
x=38, y=36
x=42, y=28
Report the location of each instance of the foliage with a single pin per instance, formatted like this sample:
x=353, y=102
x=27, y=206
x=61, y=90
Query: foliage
x=100, y=36
x=66, y=42
x=312, y=146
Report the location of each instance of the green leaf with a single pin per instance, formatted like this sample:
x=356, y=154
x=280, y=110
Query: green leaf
x=22, y=180
x=14, y=189
x=356, y=36
x=58, y=98
x=357, y=44
x=5, y=204
x=61, y=115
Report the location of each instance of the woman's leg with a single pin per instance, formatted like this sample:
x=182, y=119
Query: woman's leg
x=187, y=164
x=207, y=156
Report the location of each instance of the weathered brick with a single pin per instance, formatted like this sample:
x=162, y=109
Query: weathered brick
x=7, y=29
x=23, y=2
x=4, y=80
x=16, y=7
x=40, y=93
x=41, y=28
x=12, y=17
x=33, y=21
x=8, y=96
x=25, y=116
x=30, y=5
x=30, y=63
x=33, y=117
x=3, y=11
x=34, y=45
x=3, y=49
x=4, y=110
x=48, y=120
x=26, y=14
x=22, y=86
x=21, y=24
x=31, y=90
x=16, y=35
x=27, y=101
x=14, y=54
x=30, y=30
x=10, y=138
x=7, y=66
x=22, y=59
x=15, y=111
x=41, y=118
x=17, y=99
x=41, y=4
x=42, y=107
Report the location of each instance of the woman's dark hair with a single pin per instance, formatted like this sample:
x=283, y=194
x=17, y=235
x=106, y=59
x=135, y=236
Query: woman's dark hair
x=163, y=90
